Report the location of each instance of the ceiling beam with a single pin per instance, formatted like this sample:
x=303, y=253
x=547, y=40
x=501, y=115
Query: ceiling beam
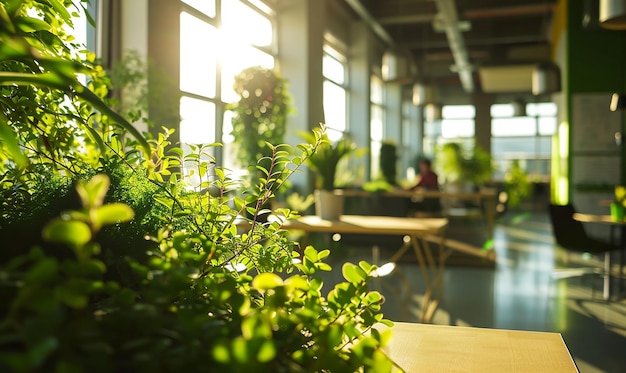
x=482, y=42
x=376, y=27
x=510, y=11
x=408, y=18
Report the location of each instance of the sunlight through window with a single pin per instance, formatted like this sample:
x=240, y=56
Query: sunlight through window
x=197, y=61
x=197, y=124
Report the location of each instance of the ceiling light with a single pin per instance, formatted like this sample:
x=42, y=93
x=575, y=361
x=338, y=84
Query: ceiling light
x=398, y=67
x=433, y=112
x=546, y=78
x=613, y=14
x=424, y=94
x=618, y=102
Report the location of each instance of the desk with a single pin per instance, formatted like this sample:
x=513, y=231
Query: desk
x=607, y=219
x=416, y=228
x=436, y=348
x=489, y=197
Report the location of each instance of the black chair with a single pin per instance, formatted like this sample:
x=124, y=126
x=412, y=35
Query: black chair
x=570, y=234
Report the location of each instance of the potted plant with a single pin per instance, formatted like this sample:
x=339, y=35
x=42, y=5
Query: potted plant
x=619, y=204
x=260, y=117
x=323, y=162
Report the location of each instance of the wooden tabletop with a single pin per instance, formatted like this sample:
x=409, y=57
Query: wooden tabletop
x=436, y=348
x=360, y=224
x=593, y=218
x=487, y=194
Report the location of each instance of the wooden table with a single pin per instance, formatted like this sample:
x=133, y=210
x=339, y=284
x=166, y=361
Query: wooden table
x=436, y=348
x=416, y=228
x=488, y=196
x=607, y=220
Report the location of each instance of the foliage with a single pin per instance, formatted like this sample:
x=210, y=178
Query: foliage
x=620, y=195
x=388, y=162
x=323, y=162
x=45, y=109
x=260, y=115
x=378, y=185
x=457, y=165
x=517, y=184
x=137, y=269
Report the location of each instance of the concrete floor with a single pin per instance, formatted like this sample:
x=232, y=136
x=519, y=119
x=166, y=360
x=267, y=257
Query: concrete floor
x=521, y=293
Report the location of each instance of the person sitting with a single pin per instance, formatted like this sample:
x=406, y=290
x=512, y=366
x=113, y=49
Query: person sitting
x=428, y=180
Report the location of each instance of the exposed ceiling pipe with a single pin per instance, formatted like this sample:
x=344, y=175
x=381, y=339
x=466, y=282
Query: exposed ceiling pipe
x=371, y=21
x=450, y=23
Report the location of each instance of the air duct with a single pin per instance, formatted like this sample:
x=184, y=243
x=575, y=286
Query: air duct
x=506, y=79
x=449, y=22
x=613, y=14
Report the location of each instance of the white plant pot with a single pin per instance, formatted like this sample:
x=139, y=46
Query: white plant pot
x=328, y=204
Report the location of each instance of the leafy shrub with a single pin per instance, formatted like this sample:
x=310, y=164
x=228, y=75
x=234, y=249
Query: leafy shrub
x=135, y=270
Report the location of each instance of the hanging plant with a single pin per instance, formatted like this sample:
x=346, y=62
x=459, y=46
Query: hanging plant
x=260, y=116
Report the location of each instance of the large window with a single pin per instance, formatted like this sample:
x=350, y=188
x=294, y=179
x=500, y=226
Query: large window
x=335, y=71
x=377, y=112
x=526, y=139
x=457, y=125
x=218, y=39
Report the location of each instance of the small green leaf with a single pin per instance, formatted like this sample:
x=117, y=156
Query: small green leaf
x=113, y=213
x=73, y=233
x=323, y=267
x=30, y=24
x=7, y=136
x=311, y=254
x=221, y=353
x=92, y=193
x=44, y=271
x=351, y=273
x=267, y=351
x=266, y=281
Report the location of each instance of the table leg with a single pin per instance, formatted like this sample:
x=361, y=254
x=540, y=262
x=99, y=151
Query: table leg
x=433, y=275
x=490, y=212
x=606, y=291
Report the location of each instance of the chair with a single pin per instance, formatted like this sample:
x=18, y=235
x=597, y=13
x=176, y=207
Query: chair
x=570, y=234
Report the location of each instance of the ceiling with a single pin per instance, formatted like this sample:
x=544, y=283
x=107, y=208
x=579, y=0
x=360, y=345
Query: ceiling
x=482, y=32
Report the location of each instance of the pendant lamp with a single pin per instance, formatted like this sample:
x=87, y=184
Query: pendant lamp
x=613, y=14
x=546, y=78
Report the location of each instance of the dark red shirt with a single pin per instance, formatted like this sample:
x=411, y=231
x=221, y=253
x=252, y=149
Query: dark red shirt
x=428, y=180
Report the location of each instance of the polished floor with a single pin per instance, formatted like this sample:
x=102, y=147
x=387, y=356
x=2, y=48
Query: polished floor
x=520, y=293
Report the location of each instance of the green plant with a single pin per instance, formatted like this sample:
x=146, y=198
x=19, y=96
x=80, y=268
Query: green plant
x=323, y=162
x=199, y=295
x=457, y=165
x=260, y=115
x=388, y=162
x=517, y=184
x=619, y=193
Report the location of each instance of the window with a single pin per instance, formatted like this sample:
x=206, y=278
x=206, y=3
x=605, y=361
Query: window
x=334, y=69
x=526, y=139
x=377, y=113
x=457, y=125
x=214, y=47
